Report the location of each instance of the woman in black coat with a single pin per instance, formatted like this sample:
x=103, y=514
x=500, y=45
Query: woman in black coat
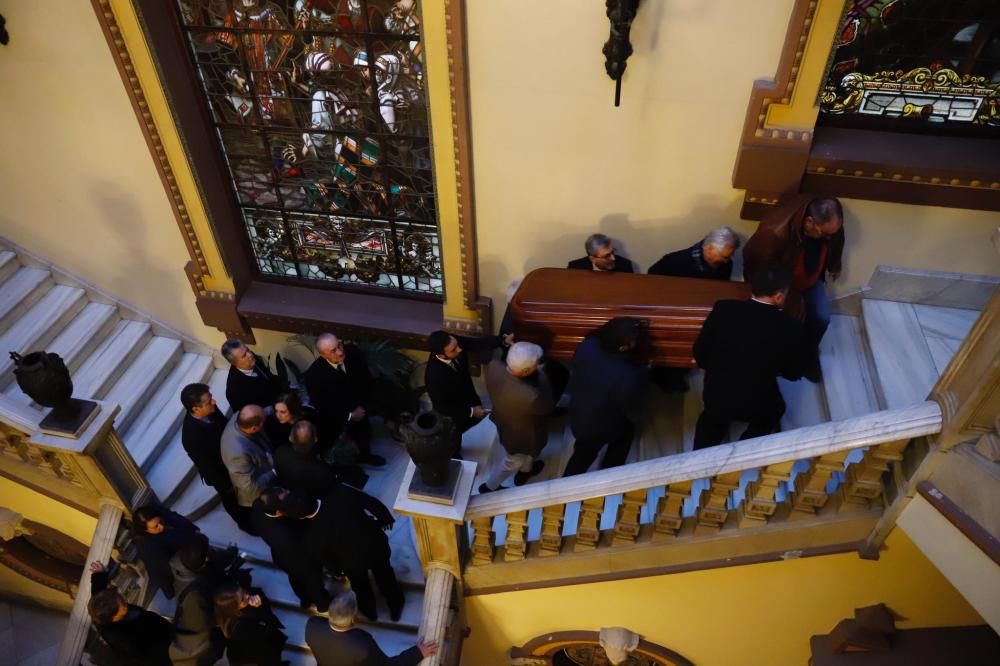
x=158, y=533
x=253, y=632
x=289, y=410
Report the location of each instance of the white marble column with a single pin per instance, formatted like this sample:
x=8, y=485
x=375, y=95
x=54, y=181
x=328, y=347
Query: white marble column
x=437, y=607
x=71, y=649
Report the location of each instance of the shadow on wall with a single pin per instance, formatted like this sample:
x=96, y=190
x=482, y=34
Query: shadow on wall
x=120, y=209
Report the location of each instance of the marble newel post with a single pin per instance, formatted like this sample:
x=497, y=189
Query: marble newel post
x=71, y=649
x=437, y=528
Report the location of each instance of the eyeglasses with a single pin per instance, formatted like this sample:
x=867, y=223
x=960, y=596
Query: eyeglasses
x=609, y=255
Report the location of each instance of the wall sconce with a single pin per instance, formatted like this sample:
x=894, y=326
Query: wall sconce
x=4, y=36
x=618, y=48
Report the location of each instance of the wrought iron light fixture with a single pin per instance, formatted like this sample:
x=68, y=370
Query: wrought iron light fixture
x=4, y=36
x=618, y=48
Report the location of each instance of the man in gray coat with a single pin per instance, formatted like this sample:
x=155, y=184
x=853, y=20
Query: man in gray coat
x=522, y=399
x=337, y=642
x=246, y=453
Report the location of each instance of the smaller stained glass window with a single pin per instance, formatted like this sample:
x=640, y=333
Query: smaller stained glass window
x=923, y=65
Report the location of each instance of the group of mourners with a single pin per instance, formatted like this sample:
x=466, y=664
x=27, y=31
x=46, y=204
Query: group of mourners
x=288, y=465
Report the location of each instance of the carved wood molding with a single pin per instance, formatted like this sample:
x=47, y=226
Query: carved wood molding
x=198, y=269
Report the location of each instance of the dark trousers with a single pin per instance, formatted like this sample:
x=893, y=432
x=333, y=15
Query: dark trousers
x=587, y=446
x=385, y=578
x=239, y=514
x=713, y=426
x=306, y=579
x=361, y=433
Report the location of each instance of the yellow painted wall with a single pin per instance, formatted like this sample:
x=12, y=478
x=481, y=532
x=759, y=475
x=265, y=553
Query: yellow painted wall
x=757, y=615
x=555, y=160
x=80, y=187
x=42, y=509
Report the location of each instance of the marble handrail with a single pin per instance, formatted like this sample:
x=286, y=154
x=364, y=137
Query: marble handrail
x=18, y=416
x=809, y=442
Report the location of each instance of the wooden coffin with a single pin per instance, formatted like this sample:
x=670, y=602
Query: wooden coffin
x=557, y=307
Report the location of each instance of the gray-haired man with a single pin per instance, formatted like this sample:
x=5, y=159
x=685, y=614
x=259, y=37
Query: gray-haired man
x=522, y=399
x=601, y=257
x=337, y=642
x=710, y=258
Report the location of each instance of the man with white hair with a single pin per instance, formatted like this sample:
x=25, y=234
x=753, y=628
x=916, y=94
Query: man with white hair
x=522, y=398
x=601, y=257
x=710, y=258
x=336, y=641
x=340, y=387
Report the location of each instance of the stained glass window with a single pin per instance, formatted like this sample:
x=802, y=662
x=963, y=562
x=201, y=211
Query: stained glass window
x=925, y=65
x=321, y=115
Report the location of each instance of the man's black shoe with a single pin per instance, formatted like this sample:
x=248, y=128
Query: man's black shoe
x=522, y=477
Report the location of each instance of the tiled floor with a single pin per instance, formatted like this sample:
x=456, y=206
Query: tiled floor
x=29, y=636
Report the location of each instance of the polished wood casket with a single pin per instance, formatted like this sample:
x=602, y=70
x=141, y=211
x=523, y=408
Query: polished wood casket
x=557, y=307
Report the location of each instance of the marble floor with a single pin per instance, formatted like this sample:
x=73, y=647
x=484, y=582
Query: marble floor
x=29, y=635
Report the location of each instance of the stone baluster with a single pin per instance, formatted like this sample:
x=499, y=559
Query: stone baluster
x=627, y=521
x=588, y=528
x=78, y=626
x=517, y=524
x=810, y=486
x=482, y=541
x=669, y=508
x=864, y=478
x=758, y=503
x=550, y=540
x=715, y=503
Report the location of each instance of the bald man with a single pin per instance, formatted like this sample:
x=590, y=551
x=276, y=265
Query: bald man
x=246, y=453
x=339, y=386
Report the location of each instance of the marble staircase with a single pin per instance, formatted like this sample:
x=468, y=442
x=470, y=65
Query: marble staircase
x=117, y=353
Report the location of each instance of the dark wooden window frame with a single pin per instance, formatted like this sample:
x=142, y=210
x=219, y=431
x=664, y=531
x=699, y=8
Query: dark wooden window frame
x=274, y=302
x=955, y=172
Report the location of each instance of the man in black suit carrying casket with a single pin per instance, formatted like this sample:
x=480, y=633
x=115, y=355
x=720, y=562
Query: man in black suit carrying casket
x=601, y=257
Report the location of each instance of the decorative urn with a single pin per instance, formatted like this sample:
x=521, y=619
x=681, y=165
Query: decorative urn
x=430, y=441
x=44, y=377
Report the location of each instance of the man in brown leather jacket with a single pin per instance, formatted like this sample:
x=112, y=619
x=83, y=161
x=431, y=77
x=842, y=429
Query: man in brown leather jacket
x=806, y=236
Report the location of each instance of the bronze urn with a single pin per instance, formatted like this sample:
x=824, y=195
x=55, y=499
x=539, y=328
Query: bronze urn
x=44, y=377
x=430, y=441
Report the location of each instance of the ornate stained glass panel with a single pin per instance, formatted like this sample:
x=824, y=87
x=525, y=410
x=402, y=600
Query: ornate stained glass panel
x=321, y=115
x=923, y=65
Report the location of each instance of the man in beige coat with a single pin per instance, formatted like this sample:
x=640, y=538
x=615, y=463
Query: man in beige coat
x=522, y=399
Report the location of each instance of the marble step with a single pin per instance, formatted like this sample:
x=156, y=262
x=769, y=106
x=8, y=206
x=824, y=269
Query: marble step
x=197, y=500
x=275, y=584
x=76, y=341
x=39, y=325
x=903, y=361
x=847, y=372
x=142, y=377
x=111, y=358
x=171, y=471
x=944, y=330
x=805, y=404
x=20, y=291
x=161, y=415
x=8, y=264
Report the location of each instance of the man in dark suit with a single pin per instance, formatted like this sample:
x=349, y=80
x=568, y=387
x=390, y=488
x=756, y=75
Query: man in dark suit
x=201, y=437
x=284, y=537
x=744, y=346
x=344, y=531
x=246, y=453
x=601, y=256
x=335, y=641
x=297, y=465
x=709, y=258
x=250, y=381
x=448, y=381
x=606, y=383
x=339, y=386
x=133, y=634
